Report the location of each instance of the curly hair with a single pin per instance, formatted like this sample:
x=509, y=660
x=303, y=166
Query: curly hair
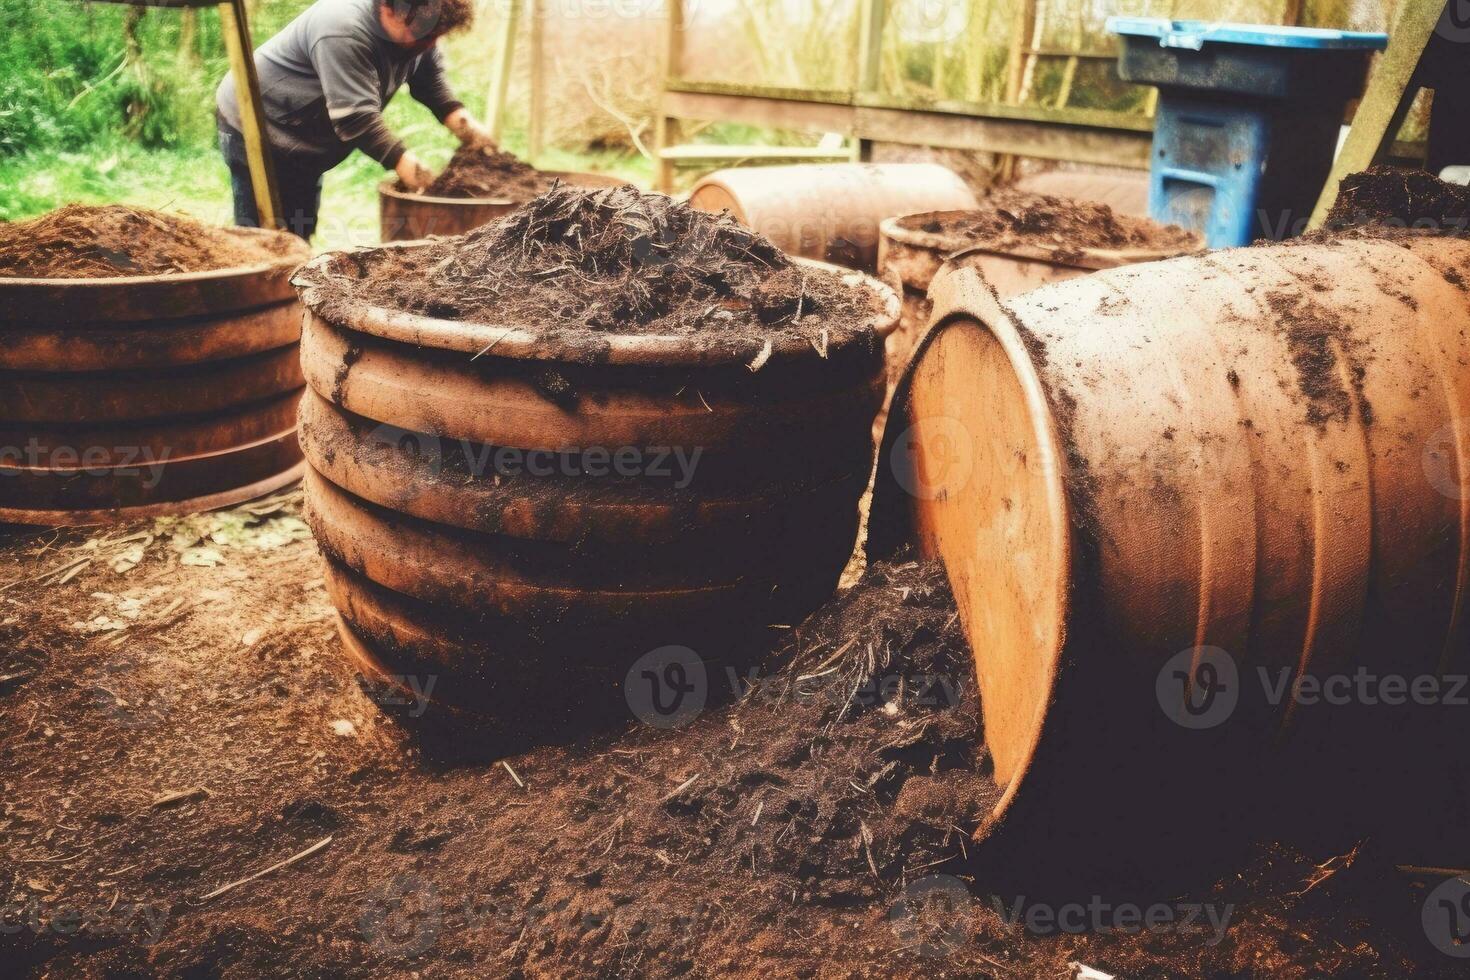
x=434, y=17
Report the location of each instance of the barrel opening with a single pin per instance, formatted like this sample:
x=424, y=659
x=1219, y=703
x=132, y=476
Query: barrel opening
x=999, y=520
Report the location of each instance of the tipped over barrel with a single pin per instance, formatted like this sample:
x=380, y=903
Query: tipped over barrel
x=830, y=212
x=139, y=396
x=1170, y=499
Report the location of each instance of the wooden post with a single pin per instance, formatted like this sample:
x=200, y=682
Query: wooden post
x=874, y=16
x=236, y=28
x=1387, y=101
x=671, y=61
x=500, y=78
x=536, y=137
x=1016, y=74
x=870, y=45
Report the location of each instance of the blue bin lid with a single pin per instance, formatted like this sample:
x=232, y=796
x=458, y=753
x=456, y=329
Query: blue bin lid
x=1193, y=35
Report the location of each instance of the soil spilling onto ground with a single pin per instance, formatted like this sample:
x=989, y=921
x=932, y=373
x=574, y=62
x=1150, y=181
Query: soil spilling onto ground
x=488, y=172
x=84, y=242
x=1009, y=218
x=197, y=785
x=1401, y=198
x=612, y=260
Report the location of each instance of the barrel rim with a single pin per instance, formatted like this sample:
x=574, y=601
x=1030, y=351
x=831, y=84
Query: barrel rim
x=962, y=294
x=1094, y=259
x=388, y=189
x=650, y=350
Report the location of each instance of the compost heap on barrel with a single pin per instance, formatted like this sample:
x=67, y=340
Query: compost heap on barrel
x=1396, y=197
x=612, y=261
x=84, y=242
x=1009, y=218
x=487, y=172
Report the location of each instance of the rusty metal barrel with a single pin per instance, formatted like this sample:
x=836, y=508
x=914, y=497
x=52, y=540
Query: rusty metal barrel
x=914, y=247
x=1161, y=493
x=521, y=514
x=132, y=397
x=830, y=212
x=406, y=217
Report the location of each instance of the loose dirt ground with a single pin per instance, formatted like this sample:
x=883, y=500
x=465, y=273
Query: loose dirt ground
x=176, y=717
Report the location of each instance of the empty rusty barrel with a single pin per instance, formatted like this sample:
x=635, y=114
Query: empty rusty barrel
x=1158, y=491
x=133, y=397
x=522, y=514
x=830, y=212
x=407, y=217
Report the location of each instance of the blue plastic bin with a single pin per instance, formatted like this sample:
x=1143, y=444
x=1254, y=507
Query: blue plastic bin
x=1248, y=119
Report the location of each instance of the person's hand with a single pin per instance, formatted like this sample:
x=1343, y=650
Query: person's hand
x=471, y=131
x=412, y=172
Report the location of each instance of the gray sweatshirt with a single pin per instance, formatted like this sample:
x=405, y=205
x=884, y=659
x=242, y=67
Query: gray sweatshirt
x=326, y=78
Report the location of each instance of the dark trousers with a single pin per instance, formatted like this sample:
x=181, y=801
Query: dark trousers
x=298, y=178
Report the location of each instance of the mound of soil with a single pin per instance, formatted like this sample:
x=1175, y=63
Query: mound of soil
x=1009, y=218
x=612, y=260
x=178, y=722
x=84, y=242
x=488, y=172
x=1400, y=198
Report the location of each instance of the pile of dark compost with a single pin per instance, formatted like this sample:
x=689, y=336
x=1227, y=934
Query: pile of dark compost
x=85, y=242
x=1009, y=219
x=612, y=261
x=487, y=172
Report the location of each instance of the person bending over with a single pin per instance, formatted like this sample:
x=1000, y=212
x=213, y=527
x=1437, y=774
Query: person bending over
x=325, y=80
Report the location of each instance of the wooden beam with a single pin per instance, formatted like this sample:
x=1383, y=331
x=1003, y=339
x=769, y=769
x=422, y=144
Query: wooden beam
x=1388, y=98
x=1082, y=135
x=500, y=78
x=236, y=28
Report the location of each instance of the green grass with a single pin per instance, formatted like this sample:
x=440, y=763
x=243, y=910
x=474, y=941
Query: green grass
x=194, y=180
x=79, y=122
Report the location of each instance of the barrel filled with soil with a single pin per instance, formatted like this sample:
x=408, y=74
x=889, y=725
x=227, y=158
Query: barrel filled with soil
x=479, y=185
x=149, y=365
x=1166, y=497
x=603, y=425
x=830, y=212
